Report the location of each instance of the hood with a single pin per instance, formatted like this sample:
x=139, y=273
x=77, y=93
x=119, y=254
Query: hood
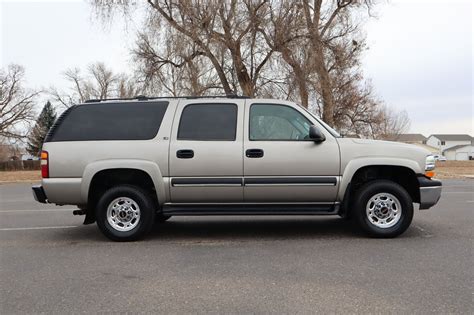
x=390, y=143
x=359, y=148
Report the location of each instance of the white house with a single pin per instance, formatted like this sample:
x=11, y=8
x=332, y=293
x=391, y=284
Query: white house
x=443, y=142
x=460, y=152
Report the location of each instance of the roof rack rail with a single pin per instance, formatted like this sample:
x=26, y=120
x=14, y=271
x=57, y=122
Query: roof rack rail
x=146, y=98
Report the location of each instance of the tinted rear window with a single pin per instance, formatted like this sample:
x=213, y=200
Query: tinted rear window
x=208, y=122
x=110, y=121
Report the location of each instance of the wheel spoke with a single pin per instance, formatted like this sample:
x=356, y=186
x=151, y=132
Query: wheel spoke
x=123, y=214
x=383, y=210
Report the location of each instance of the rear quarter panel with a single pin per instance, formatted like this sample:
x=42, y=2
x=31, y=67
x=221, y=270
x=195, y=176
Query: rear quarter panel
x=74, y=163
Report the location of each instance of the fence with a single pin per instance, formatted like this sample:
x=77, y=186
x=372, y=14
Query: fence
x=20, y=165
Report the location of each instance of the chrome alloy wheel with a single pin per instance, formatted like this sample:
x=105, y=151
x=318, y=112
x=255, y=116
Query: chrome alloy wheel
x=123, y=214
x=383, y=210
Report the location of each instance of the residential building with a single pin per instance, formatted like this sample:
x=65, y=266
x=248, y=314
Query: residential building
x=413, y=138
x=408, y=138
x=446, y=141
x=460, y=152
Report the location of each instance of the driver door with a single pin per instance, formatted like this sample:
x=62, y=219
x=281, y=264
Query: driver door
x=281, y=164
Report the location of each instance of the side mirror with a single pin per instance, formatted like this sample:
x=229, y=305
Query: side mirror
x=316, y=135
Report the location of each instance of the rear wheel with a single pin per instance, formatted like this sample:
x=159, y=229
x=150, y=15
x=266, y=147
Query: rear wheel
x=125, y=213
x=383, y=208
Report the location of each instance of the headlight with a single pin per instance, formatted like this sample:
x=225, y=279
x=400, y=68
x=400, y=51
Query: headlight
x=430, y=165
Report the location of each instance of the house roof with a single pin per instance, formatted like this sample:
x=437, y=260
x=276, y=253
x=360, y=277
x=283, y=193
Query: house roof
x=427, y=147
x=453, y=137
x=407, y=137
x=457, y=147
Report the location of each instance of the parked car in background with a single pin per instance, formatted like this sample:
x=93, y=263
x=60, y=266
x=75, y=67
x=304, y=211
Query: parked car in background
x=440, y=158
x=129, y=163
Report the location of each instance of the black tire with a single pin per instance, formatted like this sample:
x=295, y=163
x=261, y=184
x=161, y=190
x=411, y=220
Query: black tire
x=146, y=207
x=370, y=189
x=161, y=218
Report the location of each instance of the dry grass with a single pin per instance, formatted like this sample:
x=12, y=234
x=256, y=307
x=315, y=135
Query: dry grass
x=19, y=176
x=454, y=169
x=448, y=169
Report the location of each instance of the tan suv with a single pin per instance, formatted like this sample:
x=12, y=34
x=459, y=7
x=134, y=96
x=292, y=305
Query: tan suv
x=129, y=163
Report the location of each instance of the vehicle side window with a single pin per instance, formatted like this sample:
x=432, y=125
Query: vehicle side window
x=205, y=122
x=109, y=121
x=277, y=122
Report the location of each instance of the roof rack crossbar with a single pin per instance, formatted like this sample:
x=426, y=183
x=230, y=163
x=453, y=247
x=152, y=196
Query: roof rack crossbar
x=146, y=98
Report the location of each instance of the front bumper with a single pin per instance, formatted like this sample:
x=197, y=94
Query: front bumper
x=39, y=194
x=430, y=192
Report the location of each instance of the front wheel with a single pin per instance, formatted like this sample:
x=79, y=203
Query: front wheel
x=383, y=208
x=125, y=213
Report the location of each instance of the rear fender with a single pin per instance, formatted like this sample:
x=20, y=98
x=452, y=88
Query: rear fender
x=148, y=167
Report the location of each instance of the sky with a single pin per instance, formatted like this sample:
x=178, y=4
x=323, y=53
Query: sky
x=420, y=57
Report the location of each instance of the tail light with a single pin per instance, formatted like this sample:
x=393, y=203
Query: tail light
x=44, y=164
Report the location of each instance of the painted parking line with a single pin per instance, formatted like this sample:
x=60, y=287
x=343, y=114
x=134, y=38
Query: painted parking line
x=38, y=210
x=39, y=228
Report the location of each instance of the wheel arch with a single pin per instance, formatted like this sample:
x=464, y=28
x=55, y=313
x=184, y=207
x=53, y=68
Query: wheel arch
x=149, y=170
x=403, y=172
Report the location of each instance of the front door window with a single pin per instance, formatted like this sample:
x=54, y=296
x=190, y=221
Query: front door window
x=272, y=122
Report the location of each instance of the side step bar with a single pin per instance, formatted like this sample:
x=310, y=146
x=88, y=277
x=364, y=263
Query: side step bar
x=252, y=209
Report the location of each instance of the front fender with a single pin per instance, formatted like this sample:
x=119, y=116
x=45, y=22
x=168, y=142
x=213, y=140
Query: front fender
x=148, y=167
x=355, y=164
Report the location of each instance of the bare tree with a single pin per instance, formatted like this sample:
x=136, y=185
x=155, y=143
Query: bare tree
x=16, y=103
x=224, y=32
x=392, y=124
x=302, y=50
x=4, y=150
x=99, y=82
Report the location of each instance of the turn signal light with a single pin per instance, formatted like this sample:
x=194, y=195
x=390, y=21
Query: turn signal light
x=429, y=174
x=44, y=164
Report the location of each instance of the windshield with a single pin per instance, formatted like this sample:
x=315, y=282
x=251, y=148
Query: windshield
x=326, y=126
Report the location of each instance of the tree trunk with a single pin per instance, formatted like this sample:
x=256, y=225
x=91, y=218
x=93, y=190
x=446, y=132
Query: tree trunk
x=243, y=77
x=220, y=72
x=299, y=75
x=325, y=82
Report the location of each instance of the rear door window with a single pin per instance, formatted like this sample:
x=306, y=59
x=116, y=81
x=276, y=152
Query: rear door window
x=110, y=121
x=207, y=122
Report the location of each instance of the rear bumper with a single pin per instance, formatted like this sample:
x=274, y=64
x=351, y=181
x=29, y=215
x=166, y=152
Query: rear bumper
x=39, y=194
x=430, y=192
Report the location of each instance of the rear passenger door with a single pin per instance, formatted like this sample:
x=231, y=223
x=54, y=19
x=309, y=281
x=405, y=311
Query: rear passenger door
x=206, y=152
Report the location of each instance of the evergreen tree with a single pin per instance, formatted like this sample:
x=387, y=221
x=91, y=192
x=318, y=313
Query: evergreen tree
x=38, y=133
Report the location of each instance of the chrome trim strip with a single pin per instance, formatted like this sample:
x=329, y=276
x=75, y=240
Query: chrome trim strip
x=290, y=184
x=207, y=185
x=291, y=181
x=207, y=182
x=248, y=203
x=255, y=181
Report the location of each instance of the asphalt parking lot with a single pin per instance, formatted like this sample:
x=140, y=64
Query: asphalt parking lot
x=50, y=263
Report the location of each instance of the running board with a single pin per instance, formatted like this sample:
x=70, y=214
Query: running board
x=252, y=209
